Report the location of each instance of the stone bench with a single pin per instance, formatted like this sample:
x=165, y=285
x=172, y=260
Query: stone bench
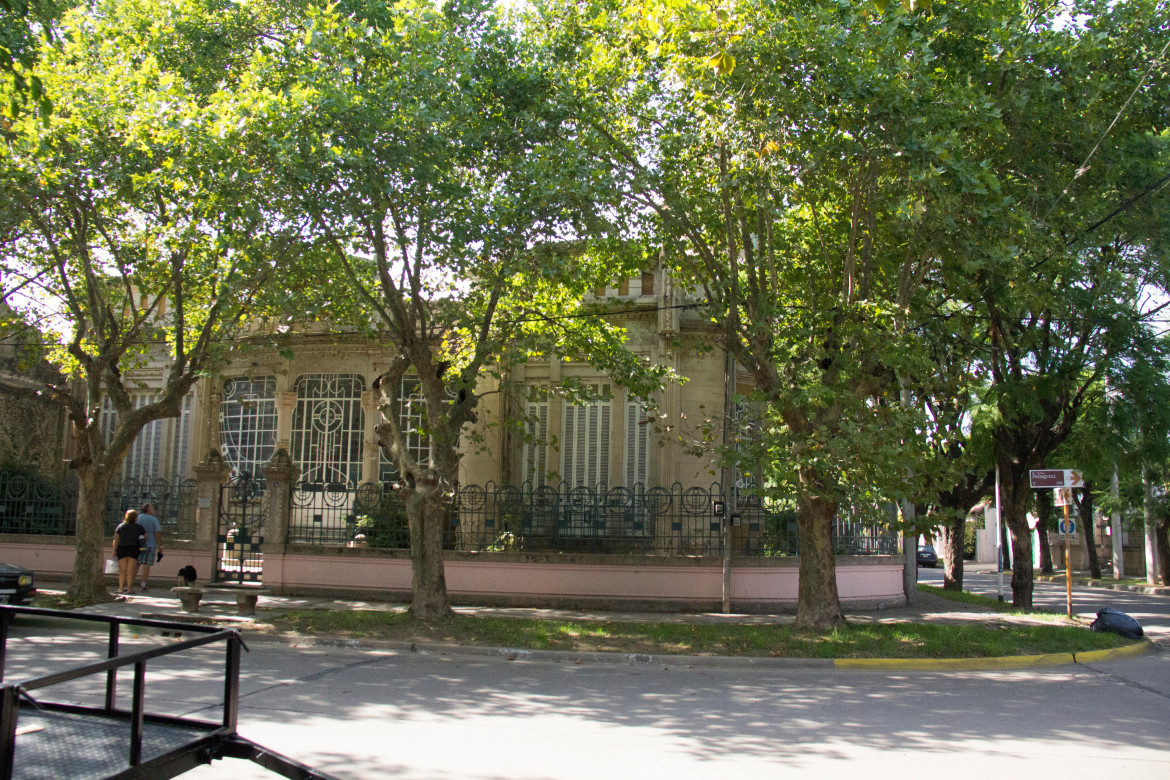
x=191, y=595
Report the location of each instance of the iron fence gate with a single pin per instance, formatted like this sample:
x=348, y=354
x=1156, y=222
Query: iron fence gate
x=243, y=507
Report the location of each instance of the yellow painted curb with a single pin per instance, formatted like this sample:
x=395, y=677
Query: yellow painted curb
x=1129, y=651
x=956, y=664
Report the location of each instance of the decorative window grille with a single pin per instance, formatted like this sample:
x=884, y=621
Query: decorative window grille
x=247, y=424
x=410, y=418
x=637, y=444
x=585, y=442
x=746, y=439
x=535, y=455
x=327, y=428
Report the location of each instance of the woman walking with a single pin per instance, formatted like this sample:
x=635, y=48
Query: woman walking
x=128, y=539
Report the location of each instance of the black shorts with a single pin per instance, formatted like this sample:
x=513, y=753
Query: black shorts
x=123, y=551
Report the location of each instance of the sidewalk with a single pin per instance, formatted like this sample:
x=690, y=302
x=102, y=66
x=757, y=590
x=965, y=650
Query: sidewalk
x=158, y=603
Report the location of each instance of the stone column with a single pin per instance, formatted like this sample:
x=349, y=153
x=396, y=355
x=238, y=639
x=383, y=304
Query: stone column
x=371, y=452
x=210, y=475
x=286, y=404
x=280, y=474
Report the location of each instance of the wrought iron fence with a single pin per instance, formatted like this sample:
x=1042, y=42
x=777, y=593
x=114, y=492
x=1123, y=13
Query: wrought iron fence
x=674, y=520
x=174, y=503
x=33, y=505
x=339, y=513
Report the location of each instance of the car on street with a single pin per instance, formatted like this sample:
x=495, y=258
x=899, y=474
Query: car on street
x=17, y=584
x=927, y=556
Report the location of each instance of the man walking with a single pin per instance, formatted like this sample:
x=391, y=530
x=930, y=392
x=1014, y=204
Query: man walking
x=151, y=549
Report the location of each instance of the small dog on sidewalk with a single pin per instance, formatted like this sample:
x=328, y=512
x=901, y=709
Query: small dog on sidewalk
x=186, y=576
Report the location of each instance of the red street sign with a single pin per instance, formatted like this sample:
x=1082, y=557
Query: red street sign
x=1055, y=478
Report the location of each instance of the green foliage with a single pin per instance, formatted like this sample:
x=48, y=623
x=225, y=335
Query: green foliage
x=133, y=229
x=442, y=165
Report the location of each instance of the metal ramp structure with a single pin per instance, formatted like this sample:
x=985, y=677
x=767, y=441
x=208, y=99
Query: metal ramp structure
x=42, y=738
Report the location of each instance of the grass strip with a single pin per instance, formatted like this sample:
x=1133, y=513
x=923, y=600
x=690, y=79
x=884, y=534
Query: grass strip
x=1004, y=607
x=886, y=640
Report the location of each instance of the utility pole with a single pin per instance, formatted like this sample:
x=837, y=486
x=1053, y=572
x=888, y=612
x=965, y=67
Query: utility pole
x=1115, y=532
x=728, y=474
x=909, y=534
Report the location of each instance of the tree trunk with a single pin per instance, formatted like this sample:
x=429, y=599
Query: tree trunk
x=1088, y=529
x=1022, y=580
x=952, y=536
x=1149, y=526
x=1016, y=494
x=87, y=584
x=1044, y=513
x=428, y=510
x=1164, y=550
x=818, y=606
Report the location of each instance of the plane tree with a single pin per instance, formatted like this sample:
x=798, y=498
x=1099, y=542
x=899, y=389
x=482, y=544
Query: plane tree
x=1060, y=269
x=433, y=153
x=802, y=166
x=129, y=232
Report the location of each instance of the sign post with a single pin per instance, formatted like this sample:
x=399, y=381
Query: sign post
x=1062, y=482
x=1063, y=497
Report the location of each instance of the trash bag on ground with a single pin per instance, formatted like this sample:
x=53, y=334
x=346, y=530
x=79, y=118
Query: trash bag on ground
x=1109, y=619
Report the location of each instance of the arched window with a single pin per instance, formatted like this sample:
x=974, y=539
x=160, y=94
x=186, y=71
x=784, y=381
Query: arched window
x=247, y=424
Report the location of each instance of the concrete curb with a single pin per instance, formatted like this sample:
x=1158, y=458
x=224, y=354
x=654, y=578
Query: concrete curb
x=955, y=664
x=1146, y=645
x=716, y=661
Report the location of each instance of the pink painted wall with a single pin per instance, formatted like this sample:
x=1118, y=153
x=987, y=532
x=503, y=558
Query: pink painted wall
x=764, y=584
x=484, y=580
x=54, y=560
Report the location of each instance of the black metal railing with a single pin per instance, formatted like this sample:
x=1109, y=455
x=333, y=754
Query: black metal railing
x=675, y=520
x=340, y=513
x=64, y=738
x=31, y=504
x=15, y=697
x=636, y=520
x=174, y=502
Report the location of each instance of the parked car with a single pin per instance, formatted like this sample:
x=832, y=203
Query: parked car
x=927, y=556
x=17, y=584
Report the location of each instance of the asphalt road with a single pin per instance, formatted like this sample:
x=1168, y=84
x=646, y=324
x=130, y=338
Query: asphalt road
x=361, y=714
